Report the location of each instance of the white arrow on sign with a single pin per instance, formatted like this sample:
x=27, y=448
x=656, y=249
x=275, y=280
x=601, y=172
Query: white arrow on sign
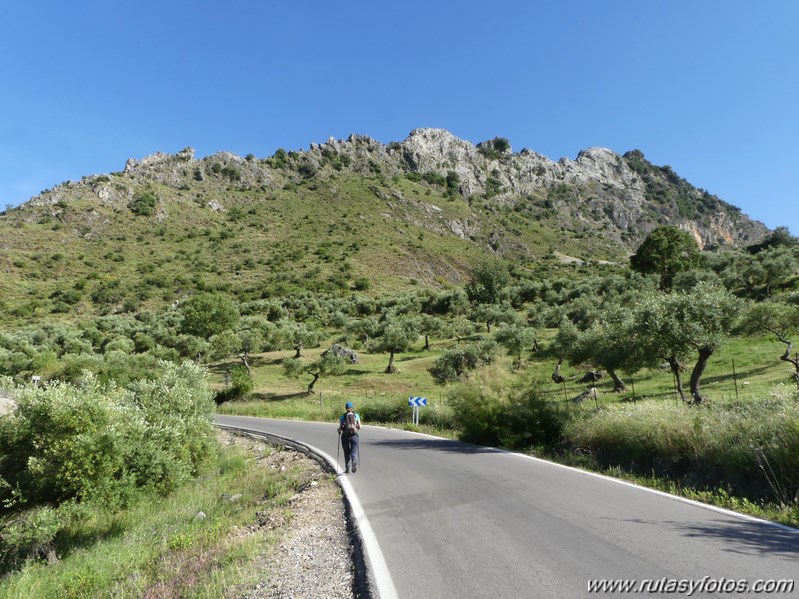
x=417, y=401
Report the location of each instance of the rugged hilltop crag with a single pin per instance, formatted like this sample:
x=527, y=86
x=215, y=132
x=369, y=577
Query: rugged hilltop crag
x=624, y=196
x=423, y=209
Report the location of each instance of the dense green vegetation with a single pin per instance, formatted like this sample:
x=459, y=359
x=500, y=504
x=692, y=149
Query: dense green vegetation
x=201, y=540
x=71, y=446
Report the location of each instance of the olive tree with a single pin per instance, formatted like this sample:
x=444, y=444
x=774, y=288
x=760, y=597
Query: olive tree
x=494, y=313
x=328, y=364
x=458, y=361
x=396, y=335
x=608, y=342
x=207, y=314
x=780, y=319
x=429, y=325
x=516, y=338
x=487, y=282
x=770, y=268
x=674, y=326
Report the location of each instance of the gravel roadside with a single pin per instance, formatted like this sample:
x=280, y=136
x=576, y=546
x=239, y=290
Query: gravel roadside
x=314, y=559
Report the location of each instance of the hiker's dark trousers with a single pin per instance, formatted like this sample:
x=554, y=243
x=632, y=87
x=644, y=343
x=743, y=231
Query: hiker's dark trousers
x=349, y=443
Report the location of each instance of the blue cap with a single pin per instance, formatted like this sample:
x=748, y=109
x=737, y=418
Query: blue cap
x=348, y=404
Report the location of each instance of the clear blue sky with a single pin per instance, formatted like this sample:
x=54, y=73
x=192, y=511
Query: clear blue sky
x=710, y=87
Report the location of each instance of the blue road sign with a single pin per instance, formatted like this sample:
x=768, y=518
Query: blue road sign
x=417, y=401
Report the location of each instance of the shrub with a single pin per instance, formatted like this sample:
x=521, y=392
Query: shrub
x=307, y=170
x=231, y=172
x=241, y=382
x=751, y=447
x=362, y=283
x=98, y=442
x=279, y=159
x=29, y=536
x=384, y=410
x=453, y=182
x=495, y=148
x=455, y=362
x=518, y=419
x=143, y=203
x=478, y=413
x=435, y=178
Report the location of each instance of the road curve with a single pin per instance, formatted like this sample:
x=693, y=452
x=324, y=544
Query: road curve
x=459, y=520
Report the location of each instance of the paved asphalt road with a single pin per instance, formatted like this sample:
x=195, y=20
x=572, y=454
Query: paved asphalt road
x=458, y=520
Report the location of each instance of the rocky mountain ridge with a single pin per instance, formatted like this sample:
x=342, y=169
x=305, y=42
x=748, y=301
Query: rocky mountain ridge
x=619, y=197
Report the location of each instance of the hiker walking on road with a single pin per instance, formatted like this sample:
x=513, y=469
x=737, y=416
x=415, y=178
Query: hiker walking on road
x=348, y=426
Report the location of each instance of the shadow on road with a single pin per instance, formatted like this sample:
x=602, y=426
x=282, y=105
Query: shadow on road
x=750, y=538
x=435, y=445
x=746, y=538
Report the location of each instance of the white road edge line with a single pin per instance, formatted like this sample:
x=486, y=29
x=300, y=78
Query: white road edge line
x=379, y=568
x=377, y=562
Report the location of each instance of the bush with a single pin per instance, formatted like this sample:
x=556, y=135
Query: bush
x=362, y=284
x=516, y=420
x=29, y=536
x=143, y=203
x=478, y=413
x=455, y=362
x=495, y=148
x=242, y=383
x=384, y=410
x=97, y=442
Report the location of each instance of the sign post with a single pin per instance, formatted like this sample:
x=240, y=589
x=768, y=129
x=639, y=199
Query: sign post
x=36, y=378
x=416, y=403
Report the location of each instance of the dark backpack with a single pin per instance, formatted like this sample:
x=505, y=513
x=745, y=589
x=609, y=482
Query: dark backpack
x=350, y=425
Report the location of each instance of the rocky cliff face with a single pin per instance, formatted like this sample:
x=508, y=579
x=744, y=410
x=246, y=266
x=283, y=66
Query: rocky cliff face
x=621, y=198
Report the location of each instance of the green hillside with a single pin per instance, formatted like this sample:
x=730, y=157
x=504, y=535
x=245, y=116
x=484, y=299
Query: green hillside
x=347, y=216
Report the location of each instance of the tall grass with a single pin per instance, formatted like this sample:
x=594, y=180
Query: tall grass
x=750, y=447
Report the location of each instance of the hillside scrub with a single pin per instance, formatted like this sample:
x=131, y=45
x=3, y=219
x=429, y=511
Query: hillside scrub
x=95, y=443
x=362, y=210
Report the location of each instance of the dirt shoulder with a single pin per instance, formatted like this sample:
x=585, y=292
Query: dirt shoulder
x=314, y=555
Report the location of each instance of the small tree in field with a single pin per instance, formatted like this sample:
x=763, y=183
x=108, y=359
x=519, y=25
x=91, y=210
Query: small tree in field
x=328, y=364
x=672, y=326
x=251, y=340
x=428, y=325
x=458, y=361
x=516, y=338
x=397, y=336
x=609, y=342
x=241, y=382
x=779, y=319
x=487, y=283
x=494, y=313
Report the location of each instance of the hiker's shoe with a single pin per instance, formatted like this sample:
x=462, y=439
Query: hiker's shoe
x=347, y=470
x=355, y=466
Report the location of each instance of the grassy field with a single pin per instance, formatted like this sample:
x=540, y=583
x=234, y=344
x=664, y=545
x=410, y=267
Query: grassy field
x=745, y=368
